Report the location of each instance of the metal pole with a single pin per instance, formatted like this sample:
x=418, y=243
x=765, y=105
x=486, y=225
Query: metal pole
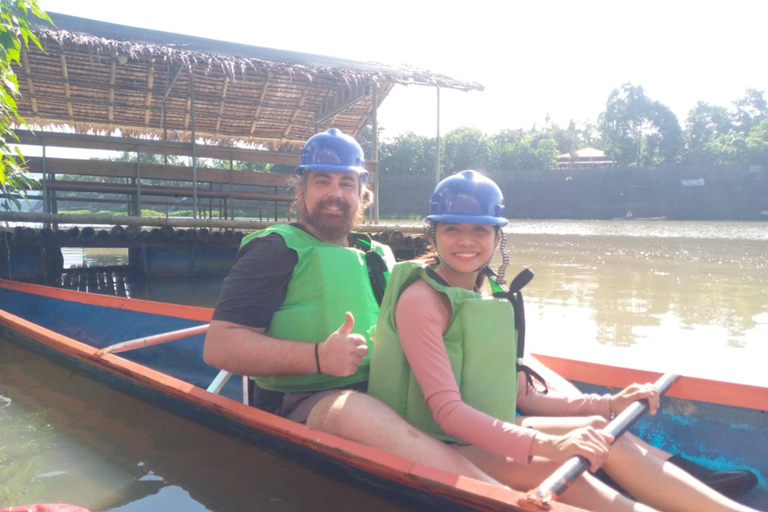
x=138, y=182
x=164, y=115
x=194, y=140
x=46, y=199
x=375, y=156
x=231, y=187
x=437, y=140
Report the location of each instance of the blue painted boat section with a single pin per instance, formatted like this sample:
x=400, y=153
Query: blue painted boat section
x=716, y=436
x=101, y=326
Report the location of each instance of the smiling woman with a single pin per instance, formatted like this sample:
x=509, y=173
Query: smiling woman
x=445, y=357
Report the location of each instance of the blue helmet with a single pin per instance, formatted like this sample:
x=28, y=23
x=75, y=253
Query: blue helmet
x=467, y=197
x=332, y=151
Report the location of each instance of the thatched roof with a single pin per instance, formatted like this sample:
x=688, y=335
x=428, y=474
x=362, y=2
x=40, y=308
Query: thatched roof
x=97, y=77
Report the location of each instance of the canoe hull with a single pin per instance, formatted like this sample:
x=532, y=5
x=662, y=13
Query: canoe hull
x=725, y=435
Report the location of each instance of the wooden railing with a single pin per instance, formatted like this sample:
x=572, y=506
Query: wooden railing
x=212, y=189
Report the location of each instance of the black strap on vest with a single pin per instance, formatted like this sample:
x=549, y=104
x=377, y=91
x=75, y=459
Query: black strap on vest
x=437, y=277
x=514, y=296
x=377, y=274
x=377, y=267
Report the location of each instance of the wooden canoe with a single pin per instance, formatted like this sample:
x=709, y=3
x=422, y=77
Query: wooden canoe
x=719, y=424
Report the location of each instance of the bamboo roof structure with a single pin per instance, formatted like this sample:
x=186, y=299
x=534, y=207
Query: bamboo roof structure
x=106, y=79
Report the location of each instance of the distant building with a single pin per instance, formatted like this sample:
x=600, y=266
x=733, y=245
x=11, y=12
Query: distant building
x=585, y=158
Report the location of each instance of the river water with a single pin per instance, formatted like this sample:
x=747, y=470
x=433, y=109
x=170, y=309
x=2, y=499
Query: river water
x=685, y=296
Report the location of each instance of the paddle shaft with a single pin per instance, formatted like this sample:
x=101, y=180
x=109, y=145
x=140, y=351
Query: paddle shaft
x=565, y=475
x=155, y=340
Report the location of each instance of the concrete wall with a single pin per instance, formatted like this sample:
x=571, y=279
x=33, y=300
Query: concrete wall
x=684, y=193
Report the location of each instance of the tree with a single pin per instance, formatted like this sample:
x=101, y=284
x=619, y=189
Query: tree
x=757, y=143
x=407, y=155
x=638, y=131
x=729, y=149
x=739, y=137
x=15, y=34
x=750, y=110
x=546, y=153
x=465, y=148
x=704, y=125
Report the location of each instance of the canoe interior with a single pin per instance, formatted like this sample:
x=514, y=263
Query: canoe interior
x=100, y=325
x=715, y=435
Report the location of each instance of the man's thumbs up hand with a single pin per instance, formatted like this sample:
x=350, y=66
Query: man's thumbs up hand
x=342, y=352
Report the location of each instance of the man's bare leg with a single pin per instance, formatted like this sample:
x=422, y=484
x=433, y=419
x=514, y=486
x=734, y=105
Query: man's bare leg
x=364, y=419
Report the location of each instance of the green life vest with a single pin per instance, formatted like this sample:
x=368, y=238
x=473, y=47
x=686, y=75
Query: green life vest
x=328, y=281
x=481, y=342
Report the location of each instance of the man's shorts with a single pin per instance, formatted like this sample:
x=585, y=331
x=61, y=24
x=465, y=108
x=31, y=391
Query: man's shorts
x=297, y=406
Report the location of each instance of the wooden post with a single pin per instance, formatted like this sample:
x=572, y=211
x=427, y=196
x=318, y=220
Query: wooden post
x=194, y=139
x=231, y=186
x=138, y=182
x=275, y=206
x=375, y=155
x=437, y=140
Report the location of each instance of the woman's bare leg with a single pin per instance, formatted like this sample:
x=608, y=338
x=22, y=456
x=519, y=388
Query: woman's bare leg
x=587, y=492
x=643, y=474
x=661, y=484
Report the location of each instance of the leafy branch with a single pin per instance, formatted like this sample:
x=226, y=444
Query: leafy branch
x=15, y=35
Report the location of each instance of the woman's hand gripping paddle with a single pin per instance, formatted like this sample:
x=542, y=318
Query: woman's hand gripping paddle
x=554, y=486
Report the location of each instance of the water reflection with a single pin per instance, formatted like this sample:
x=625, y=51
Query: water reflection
x=614, y=291
x=659, y=288
x=90, y=256
x=64, y=438
x=644, y=229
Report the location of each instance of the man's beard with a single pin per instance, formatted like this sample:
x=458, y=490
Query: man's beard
x=331, y=227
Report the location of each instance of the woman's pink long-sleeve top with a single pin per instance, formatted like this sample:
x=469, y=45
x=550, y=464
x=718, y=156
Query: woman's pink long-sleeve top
x=422, y=316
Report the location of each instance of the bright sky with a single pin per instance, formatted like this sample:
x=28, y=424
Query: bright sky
x=561, y=58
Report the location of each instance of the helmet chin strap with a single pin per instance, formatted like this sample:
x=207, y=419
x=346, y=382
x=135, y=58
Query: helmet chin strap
x=304, y=196
x=504, y=259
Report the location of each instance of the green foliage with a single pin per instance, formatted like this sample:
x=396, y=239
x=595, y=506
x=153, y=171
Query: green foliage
x=757, y=143
x=637, y=131
x=749, y=110
x=465, y=148
x=15, y=34
x=705, y=124
x=717, y=136
x=408, y=154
